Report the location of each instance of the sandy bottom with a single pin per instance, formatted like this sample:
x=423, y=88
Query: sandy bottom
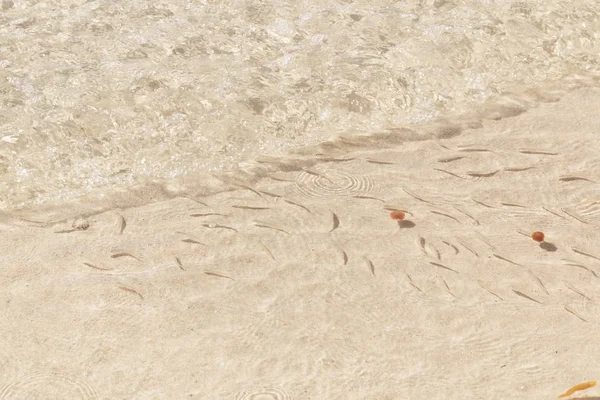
x=304, y=288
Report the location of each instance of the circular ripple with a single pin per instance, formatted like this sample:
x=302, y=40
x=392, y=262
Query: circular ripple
x=265, y=394
x=48, y=386
x=334, y=184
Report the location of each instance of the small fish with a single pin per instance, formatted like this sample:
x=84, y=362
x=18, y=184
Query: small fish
x=579, y=292
x=488, y=290
x=525, y=296
x=448, y=172
x=131, y=291
x=218, y=275
x=574, y=178
x=456, y=251
x=98, y=268
x=445, y=215
x=468, y=215
x=513, y=205
x=577, y=388
x=277, y=196
x=370, y=265
x=450, y=159
x=447, y=287
x=467, y=247
x=535, y=151
x=206, y=214
x=379, y=162
x=443, y=266
x=416, y=197
x=368, y=198
x=517, y=169
x=578, y=251
x=297, y=205
x=267, y=249
x=217, y=226
x=476, y=150
x=539, y=281
x=482, y=174
x=192, y=241
x=572, y=263
x=482, y=203
x=263, y=225
x=411, y=283
x=573, y=214
x=569, y=309
x=118, y=255
x=179, y=263
x=251, y=208
x=336, y=222
x=552, y=212
x=507, y=260
x=122, y=224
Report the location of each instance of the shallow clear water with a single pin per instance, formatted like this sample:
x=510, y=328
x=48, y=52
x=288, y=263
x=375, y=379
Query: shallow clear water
x=109, y=93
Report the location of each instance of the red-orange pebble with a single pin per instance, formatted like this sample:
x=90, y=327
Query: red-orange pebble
x=538, y=236
x=397, y=215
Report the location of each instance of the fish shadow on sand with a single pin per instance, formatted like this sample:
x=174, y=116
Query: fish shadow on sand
x=549, y=247
x=406, y=224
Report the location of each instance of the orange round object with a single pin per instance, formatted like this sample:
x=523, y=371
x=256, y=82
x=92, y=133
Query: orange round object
x=397, y=215
x=538, y=236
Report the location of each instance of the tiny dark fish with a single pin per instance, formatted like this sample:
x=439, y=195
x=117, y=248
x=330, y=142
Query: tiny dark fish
x=443, y=266
x=271, y=194
x=416, y=197
x=370, y=265
x=476, y=150
x=507, y=260
x=456, y=251
x=380, y=162
x=67, y=231
x=217, y=226
x=572, y=214
x=517, y=169
x=206, y=214
x=513, y=205
x=482, y=203
x=118, y=255
x=131, y=291
x=574, y=178
x=368, y=198
x=488, y=290
x=192, y=241
x=218, y=275
x=297, y=205
x=122, y=224
x=525, y=296
x=570, y=310
x=250, y=208
x=445, y=215
x=450, y=159
x=534, y=151
x=482, y=174
x=261, y=225
x=267, y=249
x=98, y=268
x=336, y=222
x=179, y=263
x=448, y=172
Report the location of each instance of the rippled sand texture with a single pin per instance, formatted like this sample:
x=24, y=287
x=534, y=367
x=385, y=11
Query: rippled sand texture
x=300, y=286
x=97, y=93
